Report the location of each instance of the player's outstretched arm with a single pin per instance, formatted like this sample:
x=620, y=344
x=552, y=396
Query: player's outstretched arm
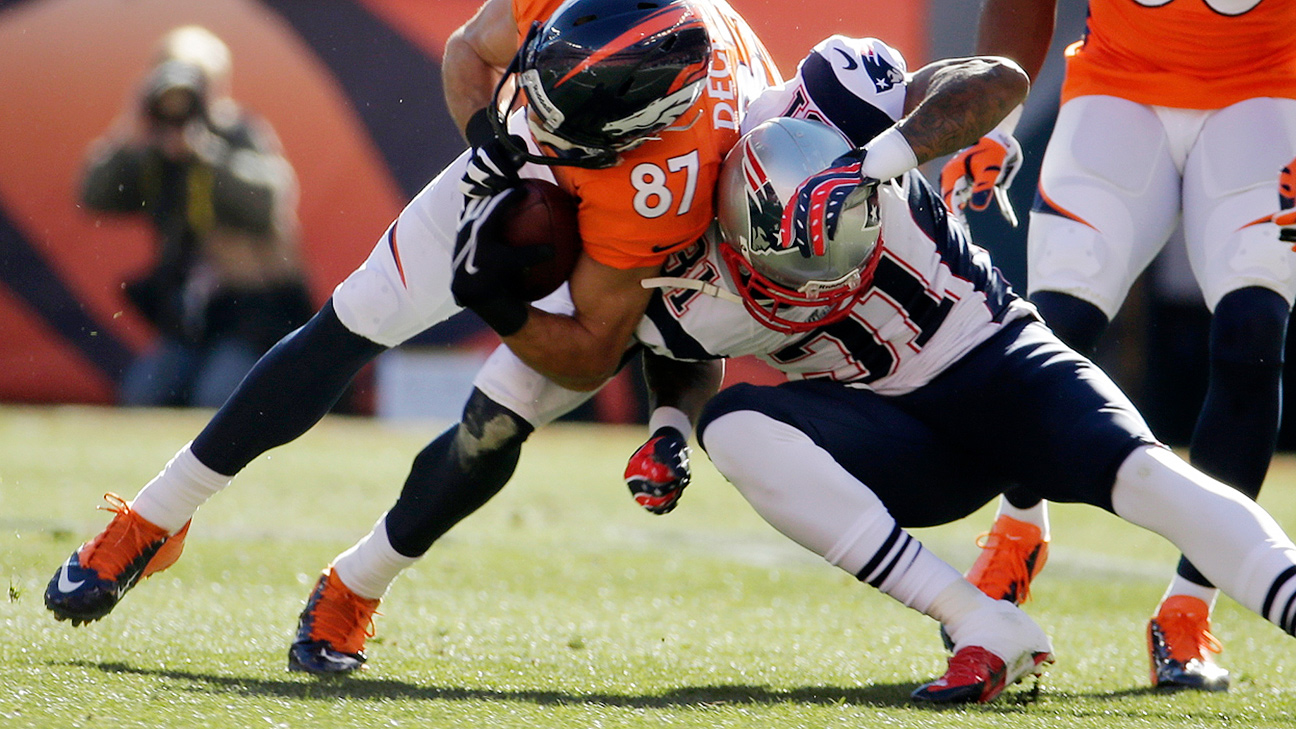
x=952, y=103
x=685, y=386
x=659, y=470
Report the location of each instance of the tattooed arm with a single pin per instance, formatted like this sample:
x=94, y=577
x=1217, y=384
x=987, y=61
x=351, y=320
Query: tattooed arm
x=950, y=104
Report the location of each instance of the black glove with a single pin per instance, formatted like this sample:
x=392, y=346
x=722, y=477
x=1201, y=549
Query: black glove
x=659, y=471
x=487, y=271
x=492, y=168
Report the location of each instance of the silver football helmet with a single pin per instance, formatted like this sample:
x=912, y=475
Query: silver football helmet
x=759, y=178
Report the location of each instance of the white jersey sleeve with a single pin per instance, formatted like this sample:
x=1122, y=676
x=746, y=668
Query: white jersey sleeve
x=855, y=84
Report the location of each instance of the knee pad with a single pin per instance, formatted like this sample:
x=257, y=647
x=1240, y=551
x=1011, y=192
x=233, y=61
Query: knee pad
x=488, y=427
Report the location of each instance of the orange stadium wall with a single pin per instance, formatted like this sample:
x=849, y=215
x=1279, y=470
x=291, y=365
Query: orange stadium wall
x=351, y=86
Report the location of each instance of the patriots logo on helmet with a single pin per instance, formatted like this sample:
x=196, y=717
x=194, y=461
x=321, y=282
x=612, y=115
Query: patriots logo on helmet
x=766, y=210
x=885, y=76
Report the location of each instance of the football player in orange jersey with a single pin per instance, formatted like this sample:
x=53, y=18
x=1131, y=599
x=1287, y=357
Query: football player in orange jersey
x=1172, y=111
x=642, y=173
x=651, y=157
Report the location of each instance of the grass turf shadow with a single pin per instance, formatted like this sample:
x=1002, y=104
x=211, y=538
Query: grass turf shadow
x=360, y=687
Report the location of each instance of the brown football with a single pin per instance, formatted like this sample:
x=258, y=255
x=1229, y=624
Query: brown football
x=543, y=214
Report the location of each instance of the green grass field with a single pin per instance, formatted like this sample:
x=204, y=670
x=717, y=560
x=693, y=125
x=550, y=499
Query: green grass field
x=559, y=604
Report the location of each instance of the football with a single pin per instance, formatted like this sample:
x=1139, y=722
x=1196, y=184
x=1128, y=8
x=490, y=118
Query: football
x=543, y=214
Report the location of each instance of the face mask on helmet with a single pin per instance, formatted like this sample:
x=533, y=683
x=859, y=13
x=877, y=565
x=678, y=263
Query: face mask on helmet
x=603, y=76
x=786, y=288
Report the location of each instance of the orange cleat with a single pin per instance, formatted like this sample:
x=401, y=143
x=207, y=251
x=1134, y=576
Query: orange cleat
x=332, y=630
x=96, y=577
x=1180, y=645
x=1012, y=554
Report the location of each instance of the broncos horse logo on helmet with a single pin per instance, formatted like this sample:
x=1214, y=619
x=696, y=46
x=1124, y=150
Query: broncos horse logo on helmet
x=775, y=269
x=601, y=76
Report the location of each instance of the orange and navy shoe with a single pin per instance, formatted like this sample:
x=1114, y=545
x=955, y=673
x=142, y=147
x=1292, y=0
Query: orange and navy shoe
x=976, y=675
x=1012, y=554
x=332, y=630
x=96, y=577
x=1180, y=645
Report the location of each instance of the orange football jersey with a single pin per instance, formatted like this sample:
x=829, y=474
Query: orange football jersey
x=1188, y=54
x=660, y=197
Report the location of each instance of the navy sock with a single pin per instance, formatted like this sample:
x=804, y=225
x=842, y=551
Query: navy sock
x=1078, y=323
x=1237, y=430
x=456, y=474
x=289, y=390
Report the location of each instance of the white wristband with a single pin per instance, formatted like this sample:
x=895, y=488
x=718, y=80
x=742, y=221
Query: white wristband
x=1008, y=126
x=672, y=417
x=888, y=155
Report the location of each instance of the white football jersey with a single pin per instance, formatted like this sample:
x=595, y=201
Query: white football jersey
x=933, y=298
x=855, y=84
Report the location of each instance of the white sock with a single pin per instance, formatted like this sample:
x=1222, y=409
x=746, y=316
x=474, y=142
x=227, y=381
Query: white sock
x=1037, y=514
x=801, y=491
x=1180, y=586
x=669, y=416
x=369, y=567
x=183, y=485
x=971, y=619
x=1236, y=544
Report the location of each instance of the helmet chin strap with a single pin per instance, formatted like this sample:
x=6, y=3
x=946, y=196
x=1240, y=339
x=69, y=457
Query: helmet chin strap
x=710, y=289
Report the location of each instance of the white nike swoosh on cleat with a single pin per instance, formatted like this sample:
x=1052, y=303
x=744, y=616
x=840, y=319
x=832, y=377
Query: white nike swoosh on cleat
x=64, y=584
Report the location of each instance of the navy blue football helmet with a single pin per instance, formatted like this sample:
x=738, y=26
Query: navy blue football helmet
x=601, y=76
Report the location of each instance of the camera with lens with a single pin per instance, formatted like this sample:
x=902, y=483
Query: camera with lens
x=175, y=94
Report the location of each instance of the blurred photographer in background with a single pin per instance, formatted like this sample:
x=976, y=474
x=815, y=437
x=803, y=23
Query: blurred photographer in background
x=226, y=282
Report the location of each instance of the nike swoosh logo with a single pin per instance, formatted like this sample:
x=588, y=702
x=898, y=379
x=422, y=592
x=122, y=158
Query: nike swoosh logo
x=851, y=63
x=64, y=584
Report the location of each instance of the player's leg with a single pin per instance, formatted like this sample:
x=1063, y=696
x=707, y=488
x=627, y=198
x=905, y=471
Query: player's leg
x=1246, y=275
x=291, y=387
x=1068, y=432
x=1230, y=538
x=1107, y=201
x=450, y=479
x=801, y=454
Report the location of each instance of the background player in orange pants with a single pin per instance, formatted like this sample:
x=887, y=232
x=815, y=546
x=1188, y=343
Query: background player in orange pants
x=1174, y=110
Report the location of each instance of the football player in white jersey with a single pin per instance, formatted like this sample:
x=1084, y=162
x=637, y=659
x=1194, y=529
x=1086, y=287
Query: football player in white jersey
x=922, y=387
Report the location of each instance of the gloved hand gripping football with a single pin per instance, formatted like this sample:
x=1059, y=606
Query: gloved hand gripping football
x=487, y=273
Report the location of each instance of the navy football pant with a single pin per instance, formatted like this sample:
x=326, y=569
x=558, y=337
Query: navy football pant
x=1021, y=408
